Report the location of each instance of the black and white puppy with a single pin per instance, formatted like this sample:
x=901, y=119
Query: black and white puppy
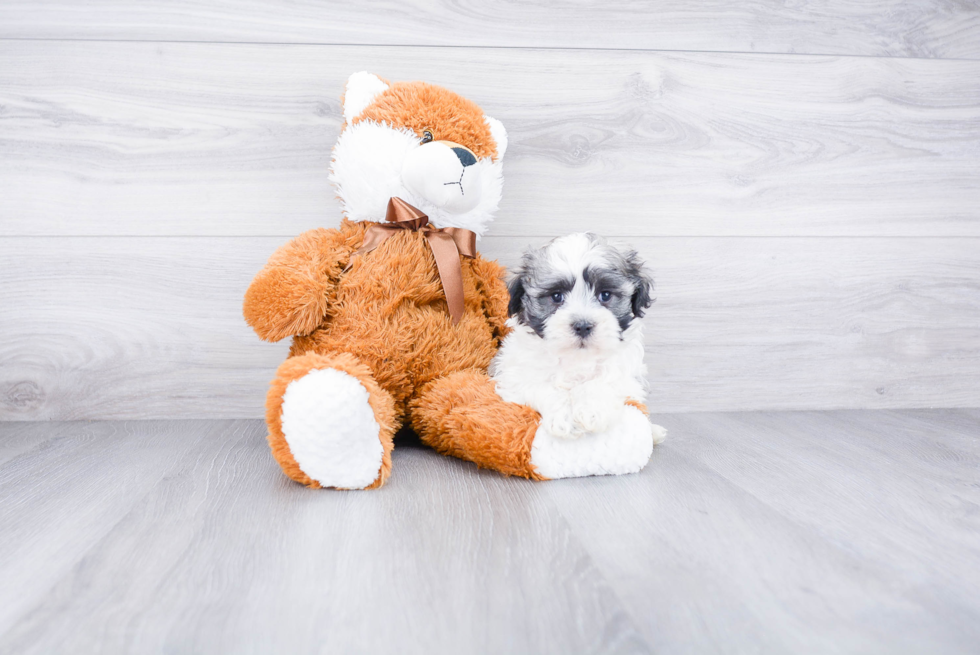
x=575, y=354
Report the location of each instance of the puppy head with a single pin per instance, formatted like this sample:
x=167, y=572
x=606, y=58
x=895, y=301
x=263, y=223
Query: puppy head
x=578, y=291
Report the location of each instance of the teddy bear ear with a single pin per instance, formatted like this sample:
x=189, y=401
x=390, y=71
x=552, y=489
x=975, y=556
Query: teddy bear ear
x=362, y=88
x=498, y=133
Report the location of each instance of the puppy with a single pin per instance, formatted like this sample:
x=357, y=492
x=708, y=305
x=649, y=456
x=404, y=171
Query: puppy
x=575, y=354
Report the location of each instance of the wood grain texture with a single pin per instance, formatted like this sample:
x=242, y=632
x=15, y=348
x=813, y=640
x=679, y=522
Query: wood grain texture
x=847, y=532
x=798, y=532
x=930, y=28
x=131, y=328
x=105, y=469
x=100, y=328
x=226, y=555
x=226, y=139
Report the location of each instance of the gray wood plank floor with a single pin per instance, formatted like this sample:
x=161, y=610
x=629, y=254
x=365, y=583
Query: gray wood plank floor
x=845, y=531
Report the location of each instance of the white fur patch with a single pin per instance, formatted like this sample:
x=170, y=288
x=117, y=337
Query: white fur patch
x=498, y=133
x=331, y=429
x=367, y=166
x=362, y=89
x=434, y=172
x=624, y=447
x=570, y=388
x=550, y=377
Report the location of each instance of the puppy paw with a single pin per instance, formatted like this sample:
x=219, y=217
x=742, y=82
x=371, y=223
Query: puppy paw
x=594, y=410
x=561, y=425
x=659, y=433
x=591, y=417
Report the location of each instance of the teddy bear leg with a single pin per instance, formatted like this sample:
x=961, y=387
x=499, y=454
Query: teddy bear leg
x=330, y=424
x=461, y=415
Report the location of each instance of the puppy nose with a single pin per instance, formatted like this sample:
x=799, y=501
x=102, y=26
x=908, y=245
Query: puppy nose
x=582, y=329
x=466, y=158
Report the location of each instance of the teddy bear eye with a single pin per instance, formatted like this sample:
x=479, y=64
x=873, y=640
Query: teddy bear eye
x=426, y=136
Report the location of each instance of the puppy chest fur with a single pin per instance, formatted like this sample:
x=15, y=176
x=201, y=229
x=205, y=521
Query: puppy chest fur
x=576, y=390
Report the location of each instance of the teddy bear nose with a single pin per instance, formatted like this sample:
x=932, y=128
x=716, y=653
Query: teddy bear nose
x=465, y=157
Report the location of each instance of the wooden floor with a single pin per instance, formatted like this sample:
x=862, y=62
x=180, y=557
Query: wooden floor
x=842, y=531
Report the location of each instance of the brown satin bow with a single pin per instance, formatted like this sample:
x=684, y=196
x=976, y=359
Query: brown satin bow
x=447, y=245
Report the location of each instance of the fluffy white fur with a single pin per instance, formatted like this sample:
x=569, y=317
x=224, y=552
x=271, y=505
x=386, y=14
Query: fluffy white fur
x=577, y=391
x=361, y=90
x=623, y=447
x=373, y=162
x=499, y=135
x=331, y=429
x=579, y=387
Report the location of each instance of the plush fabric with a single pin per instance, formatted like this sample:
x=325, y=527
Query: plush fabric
x=379, y=401
x=418, y=106
x=462, y=415
x=382, y=324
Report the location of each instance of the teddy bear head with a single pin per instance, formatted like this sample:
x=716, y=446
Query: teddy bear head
x=422, y=143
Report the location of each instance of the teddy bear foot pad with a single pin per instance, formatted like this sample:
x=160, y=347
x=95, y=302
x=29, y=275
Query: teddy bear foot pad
x=331, y=429
x=624, y=447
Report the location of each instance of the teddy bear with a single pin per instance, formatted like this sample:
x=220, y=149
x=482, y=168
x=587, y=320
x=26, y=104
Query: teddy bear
x=394, y=315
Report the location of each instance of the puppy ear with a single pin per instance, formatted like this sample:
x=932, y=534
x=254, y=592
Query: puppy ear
x=361, y=90
x=641, y=297
x=516, y=289
x=642, y=284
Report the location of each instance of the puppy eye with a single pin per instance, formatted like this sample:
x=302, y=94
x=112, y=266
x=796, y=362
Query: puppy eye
x=557, y=297
x=604, y=296
x=426, y=136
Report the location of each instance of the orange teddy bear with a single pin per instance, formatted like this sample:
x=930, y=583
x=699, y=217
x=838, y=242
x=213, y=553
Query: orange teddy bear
x=394, y=315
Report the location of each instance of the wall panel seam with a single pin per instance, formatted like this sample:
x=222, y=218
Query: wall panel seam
x=493, y=47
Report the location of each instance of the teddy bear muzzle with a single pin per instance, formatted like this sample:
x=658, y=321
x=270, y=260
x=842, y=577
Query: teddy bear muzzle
x=446, y=174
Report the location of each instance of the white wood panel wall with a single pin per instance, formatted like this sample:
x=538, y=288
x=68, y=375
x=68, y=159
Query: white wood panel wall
x=812, y=218
x=917, y=28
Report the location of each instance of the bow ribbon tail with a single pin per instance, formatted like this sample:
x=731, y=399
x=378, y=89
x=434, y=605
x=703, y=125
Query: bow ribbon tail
x=450, y=272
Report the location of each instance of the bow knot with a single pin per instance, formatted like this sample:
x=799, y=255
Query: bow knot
x=447, y=245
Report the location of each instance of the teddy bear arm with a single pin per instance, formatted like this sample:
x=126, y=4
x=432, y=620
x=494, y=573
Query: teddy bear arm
x=295, y=290
x=494, y=296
